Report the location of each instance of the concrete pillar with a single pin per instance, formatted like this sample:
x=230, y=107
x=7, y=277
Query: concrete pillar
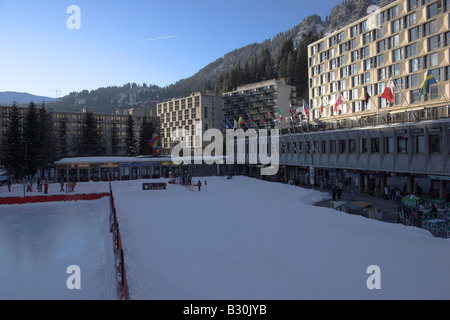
x=410, y=184
x=383, y=183
x=285, y=178
x=442, y=189
x=361, y=181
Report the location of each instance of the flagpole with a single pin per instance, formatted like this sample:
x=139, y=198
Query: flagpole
x=404, y=97
x=443, y=95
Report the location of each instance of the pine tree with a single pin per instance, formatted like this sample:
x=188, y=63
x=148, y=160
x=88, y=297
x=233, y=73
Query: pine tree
x=91, y=143
x=146, y=134
x=130, y=139
x=31, y=141
x=13, y=155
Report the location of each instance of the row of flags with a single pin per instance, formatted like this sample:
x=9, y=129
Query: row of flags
x=388, y=94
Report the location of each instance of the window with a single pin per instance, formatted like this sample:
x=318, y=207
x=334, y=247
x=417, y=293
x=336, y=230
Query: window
x=333, y=146
x=434, y=142
x=415, y=64
x=431, y=60
x=324, y=147
x=375, y=145
x=363, y=145
x=414, y=96
x=396, y=25
x=411, y=50
x=396, y=55
x=394, y=70
x=381, y=46
x=430, y=28
x=433, y=43
x=342, y=146
x=394, y=41
x=352, y=145
x=432, y=10
x=388, y=145
x=379, y=60
x=411, y=81
x=414, y=33
x=402, y=145
x=419, y=144
x=410, y=20
x=412, y=4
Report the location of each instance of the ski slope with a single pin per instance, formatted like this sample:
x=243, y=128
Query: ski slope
x=39, y=241
x=250, y=239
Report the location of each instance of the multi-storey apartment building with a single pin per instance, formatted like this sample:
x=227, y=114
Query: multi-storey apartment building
x=68, y=127
x=400, y=41
x=366, y=142
x=260, y=102
x=192, y=114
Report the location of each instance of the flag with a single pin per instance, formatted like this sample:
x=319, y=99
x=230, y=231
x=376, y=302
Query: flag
x=281, y=115
x=228, y=124
x=240, y=122
x=235, y=124
x=250, y=120
x=366, y=96
x=222, y=127
x=260, y=119
x=305, y=109
x=339, y=101
x=388, y=92
x=322, y=104
x=429, y=79
x=270, y=115
x=293, y=111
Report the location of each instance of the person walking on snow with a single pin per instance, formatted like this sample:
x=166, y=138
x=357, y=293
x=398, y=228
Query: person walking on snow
x=9, y=185
x=46, y=186
x=199, y=185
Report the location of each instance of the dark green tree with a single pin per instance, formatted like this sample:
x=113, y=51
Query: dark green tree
x=32, y=143
x=146, y=134
x=130, y=139
x=13, y=150
x=91, y=143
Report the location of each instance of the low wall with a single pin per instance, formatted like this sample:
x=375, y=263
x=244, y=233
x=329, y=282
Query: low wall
x=52, y=198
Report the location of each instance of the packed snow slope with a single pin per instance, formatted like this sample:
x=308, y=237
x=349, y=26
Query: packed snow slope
x=250, y=239
x=39, y=241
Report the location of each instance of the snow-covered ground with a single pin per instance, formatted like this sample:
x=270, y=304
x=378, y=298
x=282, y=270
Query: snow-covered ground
x=249, y=239
x=241, y=239
x=39, y=241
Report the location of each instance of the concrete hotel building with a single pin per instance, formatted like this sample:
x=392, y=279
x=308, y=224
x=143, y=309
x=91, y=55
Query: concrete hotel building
x=258, y=100
x=370, y=146
x=195, y=113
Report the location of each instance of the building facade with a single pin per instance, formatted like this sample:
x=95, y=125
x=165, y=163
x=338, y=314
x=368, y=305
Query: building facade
x=192, y=114
x=400, y=41
x=368, y=143
x=260, y=102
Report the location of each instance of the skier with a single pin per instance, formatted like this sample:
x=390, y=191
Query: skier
x=39, y=185
x=46, y=186
x=199, y=185
x=9, y=185
x=29, y=186
x=62, y=185
x=205, y=185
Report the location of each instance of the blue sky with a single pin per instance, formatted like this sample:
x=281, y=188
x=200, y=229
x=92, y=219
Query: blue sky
x=152, y=41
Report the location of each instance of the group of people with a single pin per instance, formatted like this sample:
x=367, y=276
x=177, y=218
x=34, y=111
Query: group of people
x=70, y=186
x=336, y=191
x=30, y=185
